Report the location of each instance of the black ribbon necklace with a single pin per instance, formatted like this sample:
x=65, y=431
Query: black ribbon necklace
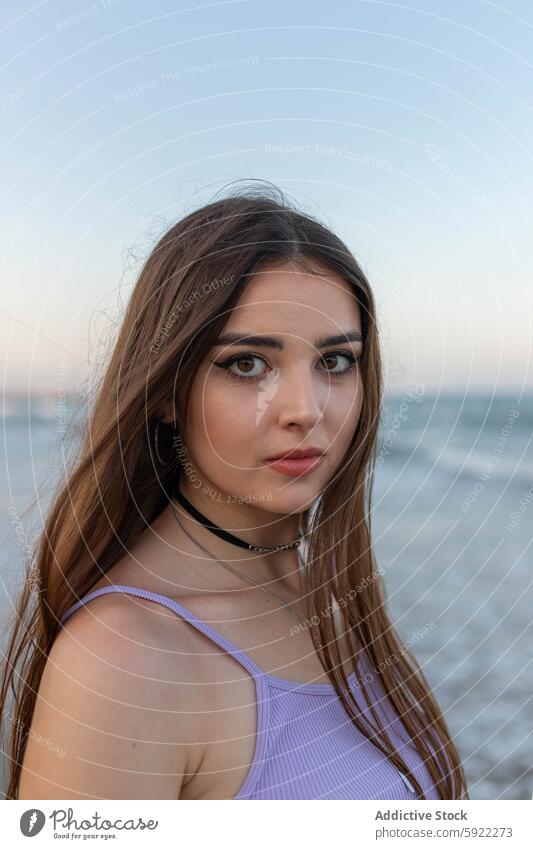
x=225, y=535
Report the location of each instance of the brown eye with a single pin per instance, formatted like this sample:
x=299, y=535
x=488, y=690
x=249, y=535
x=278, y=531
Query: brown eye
x=244, y=364
x=335, y=355
x=240, y=362
x=244, y=360
x=330, y=357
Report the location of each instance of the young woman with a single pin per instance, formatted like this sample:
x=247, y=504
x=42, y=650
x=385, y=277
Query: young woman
x=210, y=621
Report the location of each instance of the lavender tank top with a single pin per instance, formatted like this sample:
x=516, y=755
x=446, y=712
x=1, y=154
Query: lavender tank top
x=306, y=747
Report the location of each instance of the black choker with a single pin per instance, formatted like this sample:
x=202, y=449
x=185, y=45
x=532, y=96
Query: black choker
x=220, y=532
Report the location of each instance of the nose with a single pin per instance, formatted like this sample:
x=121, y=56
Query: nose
x=298, y=399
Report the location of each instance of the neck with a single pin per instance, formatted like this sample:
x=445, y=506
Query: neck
x=251, y=525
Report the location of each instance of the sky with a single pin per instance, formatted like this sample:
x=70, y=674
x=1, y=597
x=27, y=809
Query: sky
x=406, y=128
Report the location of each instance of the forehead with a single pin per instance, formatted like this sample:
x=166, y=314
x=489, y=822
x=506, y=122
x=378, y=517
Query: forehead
x=285, y=296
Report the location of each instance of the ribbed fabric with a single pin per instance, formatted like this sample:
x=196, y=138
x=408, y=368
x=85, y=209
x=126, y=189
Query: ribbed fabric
x=306, y=747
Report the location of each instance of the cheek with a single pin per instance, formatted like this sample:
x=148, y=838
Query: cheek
x=344, y=416
x=219, y=425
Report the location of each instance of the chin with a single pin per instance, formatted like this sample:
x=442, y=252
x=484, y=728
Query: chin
x=291, y=502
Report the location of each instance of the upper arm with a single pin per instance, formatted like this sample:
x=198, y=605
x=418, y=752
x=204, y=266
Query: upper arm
x=107, y=722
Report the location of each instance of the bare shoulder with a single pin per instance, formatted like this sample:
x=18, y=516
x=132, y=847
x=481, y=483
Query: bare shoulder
x=115, y=710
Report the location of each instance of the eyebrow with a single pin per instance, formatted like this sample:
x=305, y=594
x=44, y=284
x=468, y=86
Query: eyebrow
x=244, y=338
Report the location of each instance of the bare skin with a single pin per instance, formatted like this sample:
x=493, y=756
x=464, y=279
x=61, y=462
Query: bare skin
x=199, y=700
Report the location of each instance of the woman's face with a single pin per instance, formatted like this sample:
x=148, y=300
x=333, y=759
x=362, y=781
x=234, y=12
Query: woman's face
x=287, y=390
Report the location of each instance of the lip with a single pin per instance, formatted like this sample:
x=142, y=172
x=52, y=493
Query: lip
x=297, y=454
x=296, y=466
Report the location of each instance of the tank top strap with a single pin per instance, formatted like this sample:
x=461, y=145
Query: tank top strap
x=244, y=659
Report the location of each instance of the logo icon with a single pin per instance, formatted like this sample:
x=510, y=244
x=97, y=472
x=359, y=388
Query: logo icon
x=31, y=822
x=268, y=386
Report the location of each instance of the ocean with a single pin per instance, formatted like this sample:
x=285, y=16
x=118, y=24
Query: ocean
x=452, y=528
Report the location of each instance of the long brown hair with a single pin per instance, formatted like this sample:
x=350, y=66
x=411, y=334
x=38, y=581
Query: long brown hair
x=116, y=485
